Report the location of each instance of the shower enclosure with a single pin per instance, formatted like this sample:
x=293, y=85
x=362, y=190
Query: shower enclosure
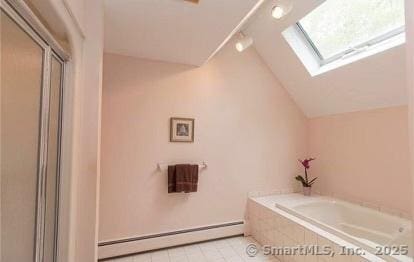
x=32, y=74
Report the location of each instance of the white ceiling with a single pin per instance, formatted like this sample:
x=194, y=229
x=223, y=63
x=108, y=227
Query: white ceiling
x=374, y=82
x=171, y=30
x=180, y=32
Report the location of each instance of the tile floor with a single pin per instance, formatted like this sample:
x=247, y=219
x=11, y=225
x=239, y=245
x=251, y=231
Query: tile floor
x=223, y=250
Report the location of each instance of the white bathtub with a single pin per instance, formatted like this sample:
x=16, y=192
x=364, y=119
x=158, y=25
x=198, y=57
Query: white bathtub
x=362, y=226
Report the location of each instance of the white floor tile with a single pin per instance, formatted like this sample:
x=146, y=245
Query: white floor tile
x=192, y=249
x=146, y=257
x=179, y=259
x=207, y=246
x=218, y=260
x=224, y=250
x=212, y=254
x=176, y=252
x=221, y=243
x=241, y=249
x=160, y=260
x=196, y=258
x=157, y=255
x=234, y=259
x=227, y=252
x=235, y=241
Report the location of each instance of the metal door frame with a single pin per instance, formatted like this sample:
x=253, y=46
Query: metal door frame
x=21, y=14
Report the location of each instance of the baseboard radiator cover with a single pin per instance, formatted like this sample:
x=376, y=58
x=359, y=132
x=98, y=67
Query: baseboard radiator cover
x=127, y=246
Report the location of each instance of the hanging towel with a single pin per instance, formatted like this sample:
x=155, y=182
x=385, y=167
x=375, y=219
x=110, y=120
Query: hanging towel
x=182, y=178
x=171, y=179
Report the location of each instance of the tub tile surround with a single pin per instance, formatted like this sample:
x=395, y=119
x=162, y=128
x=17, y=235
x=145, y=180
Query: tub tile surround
x=350, y=199
x=376, y=206
x=274, y=227
x=271, y=192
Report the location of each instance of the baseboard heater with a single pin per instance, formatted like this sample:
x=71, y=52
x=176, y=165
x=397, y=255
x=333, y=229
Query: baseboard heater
x=127, y=246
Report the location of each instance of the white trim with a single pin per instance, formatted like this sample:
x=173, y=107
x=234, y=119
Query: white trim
x=309, y=58
x=74, y=19
x=59, y=156
x=24, y=11
x=350, y=51
x=44, y=130
x=131, y=247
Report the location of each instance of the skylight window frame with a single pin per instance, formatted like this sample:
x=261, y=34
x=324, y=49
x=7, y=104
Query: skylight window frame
x=350, y=51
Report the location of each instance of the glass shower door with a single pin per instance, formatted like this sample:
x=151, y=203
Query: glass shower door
x=30, y=113
x=21, y=103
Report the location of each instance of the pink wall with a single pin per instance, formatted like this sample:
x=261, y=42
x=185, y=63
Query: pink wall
x=247, y=128
x=363, y=155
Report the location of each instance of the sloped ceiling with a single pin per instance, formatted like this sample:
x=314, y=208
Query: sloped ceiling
x=171, y=30
x=181, y=32
x=374, y=82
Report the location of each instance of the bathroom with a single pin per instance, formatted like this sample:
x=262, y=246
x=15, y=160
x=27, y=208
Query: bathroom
x=292, y=119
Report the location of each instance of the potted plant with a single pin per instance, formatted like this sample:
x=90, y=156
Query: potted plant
x=306, y=183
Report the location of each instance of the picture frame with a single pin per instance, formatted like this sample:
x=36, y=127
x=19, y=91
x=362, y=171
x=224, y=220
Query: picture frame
x=181, y=129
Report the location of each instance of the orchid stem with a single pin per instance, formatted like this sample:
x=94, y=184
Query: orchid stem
x=306, y=176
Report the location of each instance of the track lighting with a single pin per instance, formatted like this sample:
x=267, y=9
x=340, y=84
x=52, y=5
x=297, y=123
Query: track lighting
x=244, y=42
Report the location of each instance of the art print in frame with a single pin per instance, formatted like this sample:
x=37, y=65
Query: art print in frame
x=181, y=129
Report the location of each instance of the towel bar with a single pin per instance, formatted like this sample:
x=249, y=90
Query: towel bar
x=163, y=166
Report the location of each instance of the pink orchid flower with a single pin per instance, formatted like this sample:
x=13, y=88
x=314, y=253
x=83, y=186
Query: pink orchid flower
x=306, y=162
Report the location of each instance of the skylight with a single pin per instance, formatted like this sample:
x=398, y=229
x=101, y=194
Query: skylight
x=340, y=28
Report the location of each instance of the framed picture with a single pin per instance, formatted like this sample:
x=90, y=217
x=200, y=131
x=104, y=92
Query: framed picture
x=181, y=129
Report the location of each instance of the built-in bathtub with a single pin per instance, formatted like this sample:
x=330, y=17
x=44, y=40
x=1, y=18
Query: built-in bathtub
x=382, y=236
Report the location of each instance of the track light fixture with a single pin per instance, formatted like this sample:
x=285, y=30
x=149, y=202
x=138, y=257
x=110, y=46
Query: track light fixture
x=244, y=42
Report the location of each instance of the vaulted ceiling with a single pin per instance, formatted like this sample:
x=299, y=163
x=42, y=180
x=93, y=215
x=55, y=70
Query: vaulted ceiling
x=171, y=30
x=181, y=32
x=374, y=82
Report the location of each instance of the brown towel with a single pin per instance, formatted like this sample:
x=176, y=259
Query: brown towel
x=171, y=179
x=182, y=178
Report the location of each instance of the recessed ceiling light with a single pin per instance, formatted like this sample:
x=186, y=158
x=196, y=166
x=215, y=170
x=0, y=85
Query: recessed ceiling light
x=281, y=9
x=277, y=12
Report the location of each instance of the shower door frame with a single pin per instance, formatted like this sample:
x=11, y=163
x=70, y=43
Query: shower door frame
x=21, y=14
